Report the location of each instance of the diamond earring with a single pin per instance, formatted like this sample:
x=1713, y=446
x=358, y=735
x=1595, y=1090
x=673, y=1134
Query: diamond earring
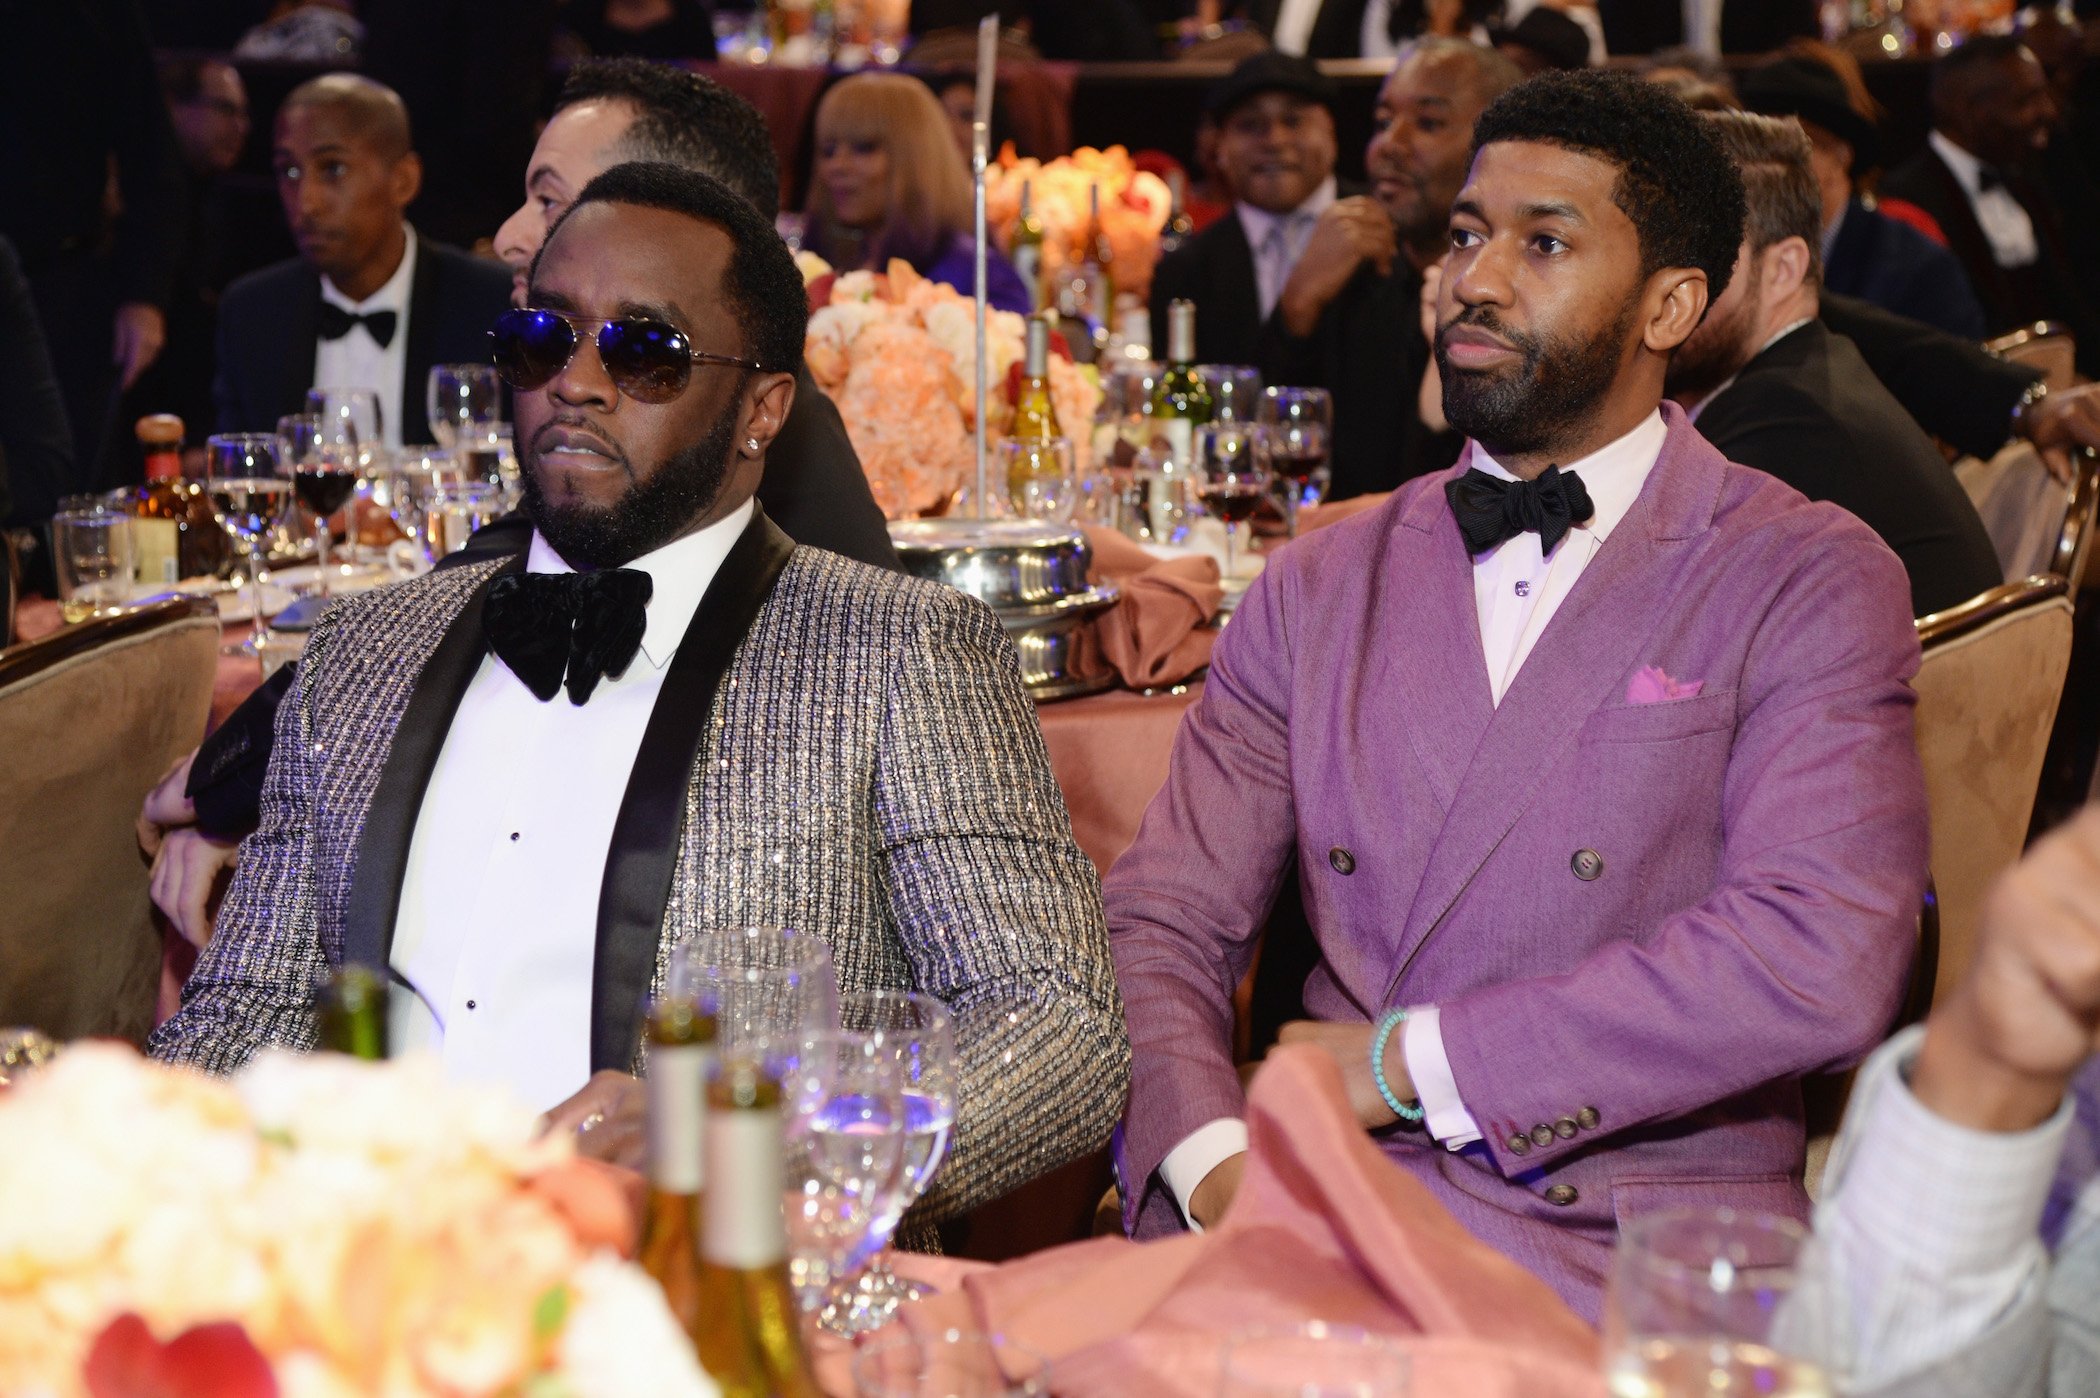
x=751, y=445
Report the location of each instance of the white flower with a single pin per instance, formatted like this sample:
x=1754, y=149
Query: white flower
x=621, y=1338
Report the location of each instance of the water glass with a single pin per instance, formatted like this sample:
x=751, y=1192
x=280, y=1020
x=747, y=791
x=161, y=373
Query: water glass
x=92, y=549
x=1235, y=391
x=248, y=497
x=465, y=403
x=1040, y=481
x=1298, y=424
x=766, y=987
x=408, y=490
x=456, y=509
x=1314, y=1360
x=1715, y=1303
x=949, y=1364
x=844, y=1157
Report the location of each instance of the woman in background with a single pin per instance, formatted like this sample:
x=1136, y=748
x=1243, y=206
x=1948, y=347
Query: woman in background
x=889, y=183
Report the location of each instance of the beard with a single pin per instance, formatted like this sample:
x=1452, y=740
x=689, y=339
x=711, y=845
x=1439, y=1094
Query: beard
x=1718, y=348
x=651, y=514
x=1554, y=387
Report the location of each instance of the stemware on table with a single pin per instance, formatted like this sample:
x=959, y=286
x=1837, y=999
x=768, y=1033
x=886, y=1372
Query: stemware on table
x=843, y=1129
x=92, y=553
x=1235, y=391
x=248, y=498
x=765, y=986
x=1231, y=477
x=349, y=432
x=1040, y=480
x=1297, y=423
x=321, y=477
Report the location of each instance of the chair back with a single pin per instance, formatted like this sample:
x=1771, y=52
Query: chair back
x=2073, y=558
x=2046, y=345
x=90, y=717
x=2036, y=523
x=1988, y=688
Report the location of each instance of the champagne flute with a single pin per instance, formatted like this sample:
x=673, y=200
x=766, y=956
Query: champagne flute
x=1715, y=1303
x=323, y=482
x=248, y=497
x=349, y=434
x=919, y=1032
x=1299, y=422
x=1232, y=478
x=844, y=1155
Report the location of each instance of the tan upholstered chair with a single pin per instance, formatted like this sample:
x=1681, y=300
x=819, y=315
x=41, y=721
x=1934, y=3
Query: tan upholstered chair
x=89, y=719
x=2036, y=524
x=1987, y=694
x=2046, y=345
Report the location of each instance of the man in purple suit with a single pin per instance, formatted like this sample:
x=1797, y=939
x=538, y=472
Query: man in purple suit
x=1592, y=755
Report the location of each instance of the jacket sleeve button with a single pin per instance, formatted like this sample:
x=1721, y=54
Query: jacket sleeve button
x=1565, y=1128
x=1542, y=1135
x=1520, y=1144
x=1587, y=1118
x=1341, y=860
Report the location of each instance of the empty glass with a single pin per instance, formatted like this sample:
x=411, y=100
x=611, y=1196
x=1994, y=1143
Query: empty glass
x=1314, y=1360
x=454, y=511
x=409, y=488
x=465, y=402
x=1298, y=422
x=766, y=987
x=843, y=1125
x=1231, y=477
x=92, y=549
x=1235, y=391
x=248, y=497
x=949, y=1364
x=1040, y=481
x=1715, y=1303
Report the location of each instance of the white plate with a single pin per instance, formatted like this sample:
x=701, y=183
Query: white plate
x=239, y=606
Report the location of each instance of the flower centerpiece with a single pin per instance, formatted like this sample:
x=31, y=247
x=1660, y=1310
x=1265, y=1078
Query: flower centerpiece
x=1135, y=205
x=315, y=1227
x=897, y=353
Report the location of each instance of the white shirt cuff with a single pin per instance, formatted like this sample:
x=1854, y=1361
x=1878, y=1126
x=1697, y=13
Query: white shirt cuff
x=1422, y=1045
x=1200, y=1152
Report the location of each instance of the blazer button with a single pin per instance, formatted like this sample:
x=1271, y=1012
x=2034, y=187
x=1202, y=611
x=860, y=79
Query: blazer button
x=1342, y=861
x=1587, y=1118
x=1519, y=1144
x=1565, y=1128
x=1587, y=864
x=1542, y=1135
x=1562, y=1195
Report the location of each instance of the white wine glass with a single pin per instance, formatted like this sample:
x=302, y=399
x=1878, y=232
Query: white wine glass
x=1299, y=423
x=843, y=1123
x=1718, y=1303
x=92, y=553
x=248, y=498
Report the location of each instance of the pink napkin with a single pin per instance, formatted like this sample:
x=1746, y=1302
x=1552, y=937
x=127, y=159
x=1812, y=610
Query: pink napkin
x=1324, y=1228
x=1159, y=632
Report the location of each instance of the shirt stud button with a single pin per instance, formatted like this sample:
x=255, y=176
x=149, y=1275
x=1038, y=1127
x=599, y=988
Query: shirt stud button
x=1341, y=860
x=1562, y=1195
x=470, y=1004
x=514, y=836
x=1587, y=864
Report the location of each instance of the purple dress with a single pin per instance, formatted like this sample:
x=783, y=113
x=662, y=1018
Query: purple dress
x=957, y=267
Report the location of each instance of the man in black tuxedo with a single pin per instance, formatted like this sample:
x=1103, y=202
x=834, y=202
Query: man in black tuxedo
x=1991, y=114
x=1772, y=387
x=367, y=303
x=1276, y=146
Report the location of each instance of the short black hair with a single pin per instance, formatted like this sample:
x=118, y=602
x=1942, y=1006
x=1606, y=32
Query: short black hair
x=684, y=119
x=763, y=284
x=1675, y=182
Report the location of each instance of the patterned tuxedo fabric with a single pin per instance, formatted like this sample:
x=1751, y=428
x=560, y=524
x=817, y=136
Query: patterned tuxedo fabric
x=836, y=749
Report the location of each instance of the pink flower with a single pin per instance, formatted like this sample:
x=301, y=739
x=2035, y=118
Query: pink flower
x=1650, y=685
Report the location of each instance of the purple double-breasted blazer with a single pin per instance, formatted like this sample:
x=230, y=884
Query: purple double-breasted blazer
x=1642, y=921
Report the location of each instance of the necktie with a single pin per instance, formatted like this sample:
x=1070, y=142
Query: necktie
x=336, y=322
x=1489, y=509
x=1276, y=264
x=584, y=625
x=1988, y=178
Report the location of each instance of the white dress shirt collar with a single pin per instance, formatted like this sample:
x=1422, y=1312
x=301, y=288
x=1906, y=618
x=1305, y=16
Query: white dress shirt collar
x=392, y=294
x=2006, y=224
x=1257, y=222
x=1613, y=474
x=679, y=574
x=1966, y=167
x=356, y=360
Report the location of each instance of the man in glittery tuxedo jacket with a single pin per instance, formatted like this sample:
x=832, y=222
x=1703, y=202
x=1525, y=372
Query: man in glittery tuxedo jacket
x=752, y=733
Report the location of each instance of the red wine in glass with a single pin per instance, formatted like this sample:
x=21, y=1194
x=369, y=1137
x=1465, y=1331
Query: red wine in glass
x=1297, y=463
x=323, y=490
x=1233, y=501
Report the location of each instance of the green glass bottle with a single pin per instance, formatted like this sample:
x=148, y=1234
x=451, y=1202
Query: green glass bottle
x=1026, y=248
x=350, y=1012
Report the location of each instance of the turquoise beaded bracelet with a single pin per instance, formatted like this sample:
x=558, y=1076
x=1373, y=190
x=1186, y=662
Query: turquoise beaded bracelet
x=1386, y=1026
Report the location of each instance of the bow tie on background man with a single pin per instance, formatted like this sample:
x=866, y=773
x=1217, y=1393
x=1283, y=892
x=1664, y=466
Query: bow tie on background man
x=1489, y=509
x=584, y=625
x=336, y=322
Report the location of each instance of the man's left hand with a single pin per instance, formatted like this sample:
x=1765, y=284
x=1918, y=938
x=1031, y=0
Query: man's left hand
x=140, y=333
x=1349, y=1045
x=607, y=1119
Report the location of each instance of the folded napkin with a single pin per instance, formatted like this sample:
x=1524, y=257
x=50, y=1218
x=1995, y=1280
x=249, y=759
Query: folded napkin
x=1159, y=632
x=1324, y=1228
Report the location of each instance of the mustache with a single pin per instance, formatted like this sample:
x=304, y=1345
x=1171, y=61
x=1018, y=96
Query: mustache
x=1484, y=318
x=575, y=423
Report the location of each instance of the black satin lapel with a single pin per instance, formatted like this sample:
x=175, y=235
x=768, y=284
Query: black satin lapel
x=390, y=822
x=645, y=840
x=293, y=374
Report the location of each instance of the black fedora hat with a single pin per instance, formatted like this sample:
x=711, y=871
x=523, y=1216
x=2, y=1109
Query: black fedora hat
x=1269, y=71
x=1804, y=88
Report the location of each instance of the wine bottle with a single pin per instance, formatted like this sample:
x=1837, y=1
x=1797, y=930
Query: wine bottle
x=1100, y=261
x=350, y=1012
x=1027, y=247
x=1035, y=420
x=1179, y=399
x=750, y=1332
x=1179, y=227
x=681, y=1046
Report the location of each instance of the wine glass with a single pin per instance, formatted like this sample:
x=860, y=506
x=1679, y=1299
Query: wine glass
x=323, y=481
x=1235, y=391
x=248, y=497
x=1040, y=481
x=1232, y=478
x=1314, y=1360
x=454, y=511
x=465, y=404
x=1713, y=1302
x=349, y=433
x=1299, y=422
x=765, y=986
x=919, y=1032
x=844, y=1128
x=949, y=1364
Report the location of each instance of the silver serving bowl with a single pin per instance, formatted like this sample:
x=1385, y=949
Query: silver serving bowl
x=1032, y=574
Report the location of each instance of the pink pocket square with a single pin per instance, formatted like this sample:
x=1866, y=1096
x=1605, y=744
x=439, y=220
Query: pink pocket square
x=1650, y=685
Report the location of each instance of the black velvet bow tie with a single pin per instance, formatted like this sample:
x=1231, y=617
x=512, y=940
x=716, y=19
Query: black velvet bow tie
x=583, y=625
x=336, y=322
x=1489, y=509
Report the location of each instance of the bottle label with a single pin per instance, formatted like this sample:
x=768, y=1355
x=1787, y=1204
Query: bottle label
x=745, y=1229
x=677, y=1117
x=163, y=464
x=1028, y=262
x=155, y=545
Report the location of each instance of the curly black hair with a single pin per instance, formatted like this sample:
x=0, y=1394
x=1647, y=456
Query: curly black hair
x=763, y=284
x=685, y=119
x=1675, y=182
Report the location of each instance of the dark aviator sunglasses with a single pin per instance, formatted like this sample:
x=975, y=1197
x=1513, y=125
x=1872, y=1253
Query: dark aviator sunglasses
x=649, y=361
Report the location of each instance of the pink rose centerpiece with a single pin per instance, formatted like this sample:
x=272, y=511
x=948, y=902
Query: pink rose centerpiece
x=1135, y=205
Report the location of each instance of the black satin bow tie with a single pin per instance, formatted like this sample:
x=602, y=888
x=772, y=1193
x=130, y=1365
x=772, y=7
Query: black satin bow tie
x=1489, y=509
x=582, y=625
x=336, y=322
